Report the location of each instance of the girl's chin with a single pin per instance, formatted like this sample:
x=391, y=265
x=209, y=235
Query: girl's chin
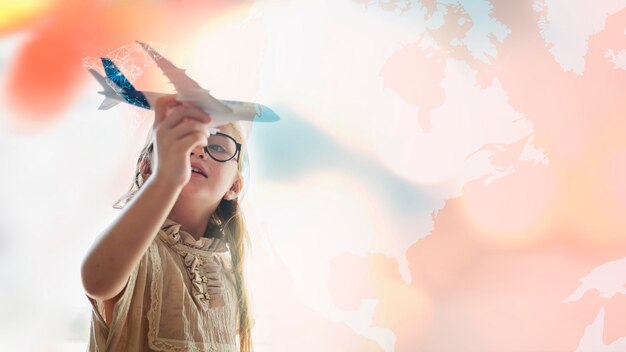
x=197, y=179
x=197, y=184
x=194, y=189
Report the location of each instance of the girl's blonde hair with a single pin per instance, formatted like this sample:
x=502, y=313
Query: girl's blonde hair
x=227, y=222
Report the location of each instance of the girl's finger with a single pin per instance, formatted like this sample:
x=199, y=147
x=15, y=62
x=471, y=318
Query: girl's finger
x=191, y=140
x=161, y=107
x=180, y=112
x=187, y=126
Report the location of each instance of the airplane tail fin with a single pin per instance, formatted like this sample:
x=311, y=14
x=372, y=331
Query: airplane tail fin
x=116, y=76
x=126, y=89
x=107, y=103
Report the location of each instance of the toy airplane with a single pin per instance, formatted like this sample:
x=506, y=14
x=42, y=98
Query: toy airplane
x=117, y=88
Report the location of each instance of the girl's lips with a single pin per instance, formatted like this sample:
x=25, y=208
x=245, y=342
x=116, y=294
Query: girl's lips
x=195, y=174
x=199, y=167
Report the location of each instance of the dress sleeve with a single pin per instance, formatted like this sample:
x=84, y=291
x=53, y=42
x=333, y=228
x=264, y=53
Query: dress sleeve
x=97, y=305
x=122, y=305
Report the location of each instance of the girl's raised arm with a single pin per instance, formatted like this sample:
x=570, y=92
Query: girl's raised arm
x=108, y=264
x=110, y=261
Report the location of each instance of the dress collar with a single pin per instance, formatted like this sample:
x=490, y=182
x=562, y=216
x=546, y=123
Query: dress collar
x=172, y=234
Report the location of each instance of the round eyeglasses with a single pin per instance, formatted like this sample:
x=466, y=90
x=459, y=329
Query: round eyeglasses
x=222, y=147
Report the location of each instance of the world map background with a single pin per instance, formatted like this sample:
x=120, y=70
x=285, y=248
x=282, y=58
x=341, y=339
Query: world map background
x=446, y=175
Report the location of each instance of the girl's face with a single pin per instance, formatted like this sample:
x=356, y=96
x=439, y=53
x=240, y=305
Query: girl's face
x=222, y=179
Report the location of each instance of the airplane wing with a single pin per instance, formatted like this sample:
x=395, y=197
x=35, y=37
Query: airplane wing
x=187, y=88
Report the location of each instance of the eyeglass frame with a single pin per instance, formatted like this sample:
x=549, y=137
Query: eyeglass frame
x=237, y=150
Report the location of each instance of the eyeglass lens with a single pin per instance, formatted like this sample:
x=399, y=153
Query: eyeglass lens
x=221, y=147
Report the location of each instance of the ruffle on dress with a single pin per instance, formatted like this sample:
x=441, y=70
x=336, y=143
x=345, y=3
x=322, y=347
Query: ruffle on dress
x=204, y=263
x=176, y=235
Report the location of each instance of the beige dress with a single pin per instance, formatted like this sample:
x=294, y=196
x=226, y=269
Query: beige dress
x=179, y=297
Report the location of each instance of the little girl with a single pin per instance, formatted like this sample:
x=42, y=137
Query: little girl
x=167, y=274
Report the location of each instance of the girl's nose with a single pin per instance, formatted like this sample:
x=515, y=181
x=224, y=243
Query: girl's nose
x=199, y=151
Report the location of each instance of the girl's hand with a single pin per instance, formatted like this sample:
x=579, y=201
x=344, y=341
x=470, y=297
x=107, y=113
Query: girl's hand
x=178, y=128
